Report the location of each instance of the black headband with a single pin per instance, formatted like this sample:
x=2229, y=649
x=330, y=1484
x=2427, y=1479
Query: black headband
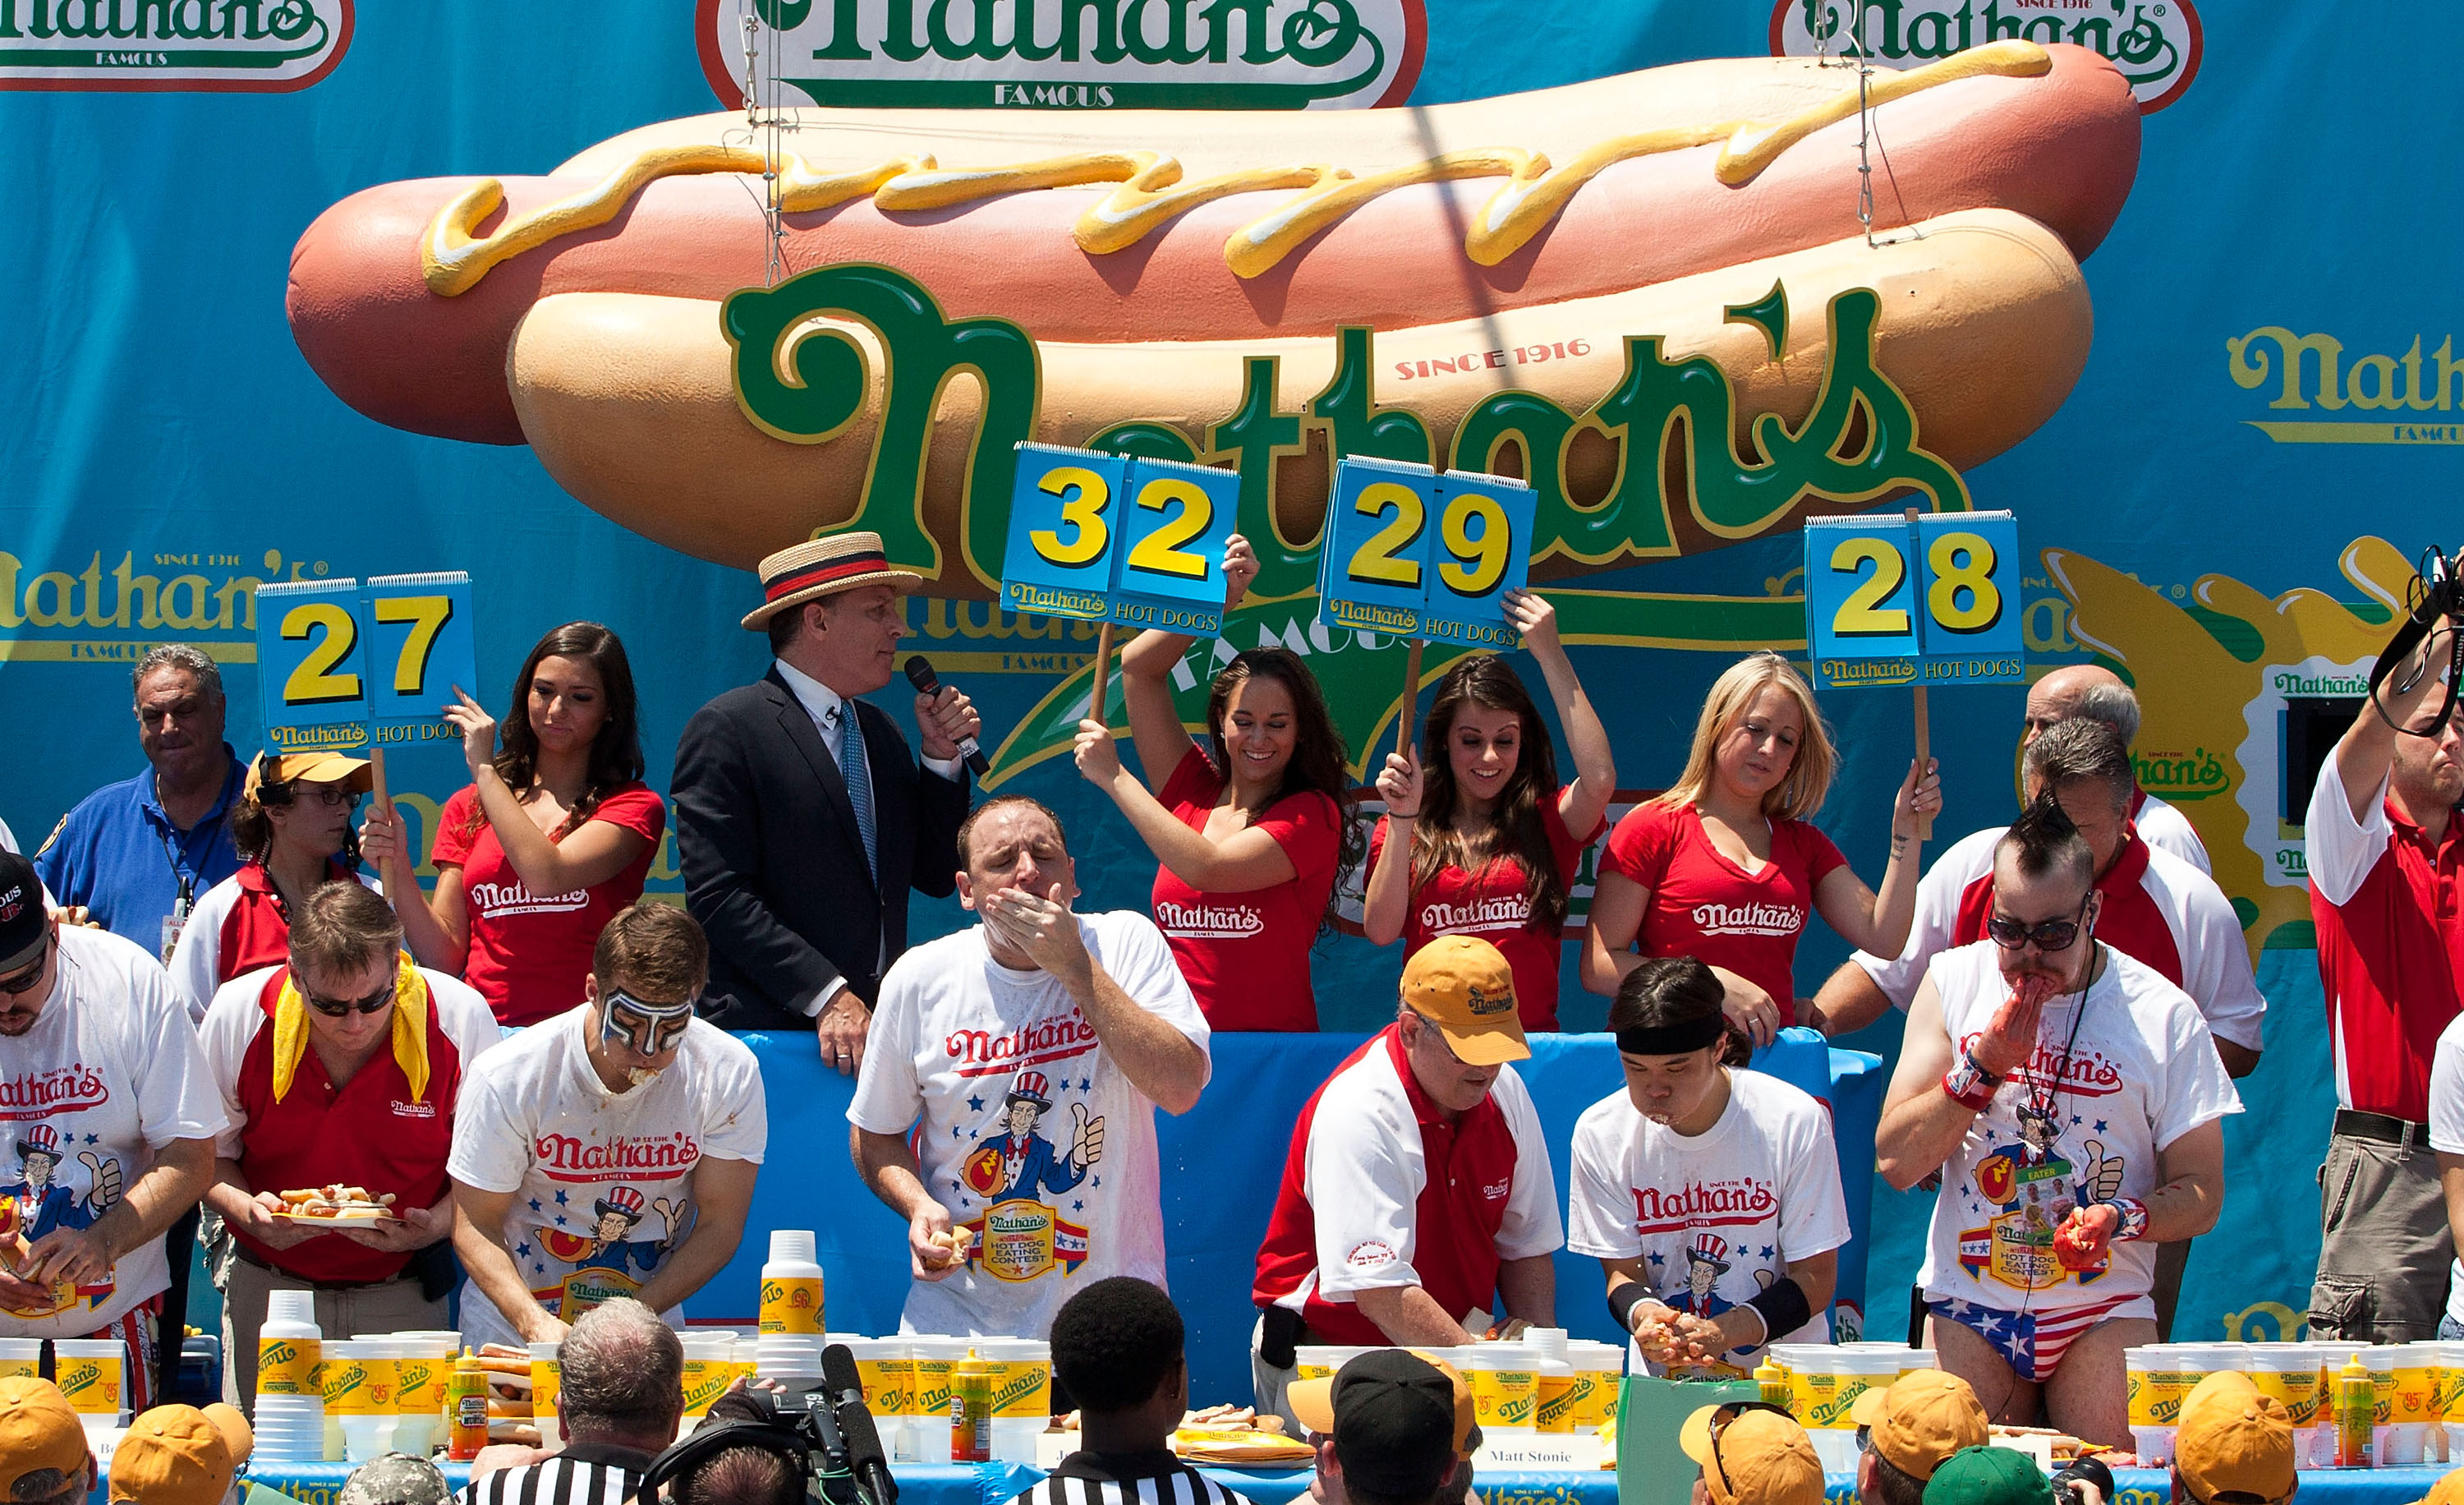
x=1677, y=1039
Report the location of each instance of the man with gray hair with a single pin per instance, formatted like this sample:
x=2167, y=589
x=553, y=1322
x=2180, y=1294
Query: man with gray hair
x=2098, y=694
x=620, y=1394
x=134, y=857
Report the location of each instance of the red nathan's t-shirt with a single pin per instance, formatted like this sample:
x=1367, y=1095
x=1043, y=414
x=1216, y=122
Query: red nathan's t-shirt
x=1495, y=904
x=1707, y=907
x=1246, y=956
x=530, y=952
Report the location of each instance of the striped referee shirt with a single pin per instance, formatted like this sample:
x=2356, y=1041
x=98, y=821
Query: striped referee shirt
x=1125, y=1478
x=584, y=1473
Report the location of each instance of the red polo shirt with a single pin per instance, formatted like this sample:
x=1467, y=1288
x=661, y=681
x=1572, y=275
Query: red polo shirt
x=2386, y=900
x=1382, y=1189
x=372, y=1131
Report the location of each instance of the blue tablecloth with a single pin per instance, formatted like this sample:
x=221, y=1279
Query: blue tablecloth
x=994, y=1483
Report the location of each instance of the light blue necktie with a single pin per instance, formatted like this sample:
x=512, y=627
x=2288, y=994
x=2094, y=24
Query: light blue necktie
x=855, y=769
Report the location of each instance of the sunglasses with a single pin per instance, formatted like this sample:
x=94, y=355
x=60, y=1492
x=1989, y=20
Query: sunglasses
x=2049, y=935
x=24, y=982
x=344, y=1008
x=1720, y=1423
x=649, y=1028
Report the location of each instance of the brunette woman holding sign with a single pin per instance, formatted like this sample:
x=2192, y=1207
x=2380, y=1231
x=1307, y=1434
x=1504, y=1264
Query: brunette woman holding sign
x=553, y=835
x=1491, y=841
x=1726, y=866
x=1248, y=826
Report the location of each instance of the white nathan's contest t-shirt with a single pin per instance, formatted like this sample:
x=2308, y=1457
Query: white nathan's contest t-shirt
x=2447, y=1128
x=602, y=1180
x=1717, y=1217
x=1012, y=1087
x=2140, y=1073
x=110, y=1073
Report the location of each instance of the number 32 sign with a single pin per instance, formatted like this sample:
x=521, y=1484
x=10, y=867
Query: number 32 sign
x=1106, y=538
x=332, y=653
x=1937, y=602
x=1417, y=554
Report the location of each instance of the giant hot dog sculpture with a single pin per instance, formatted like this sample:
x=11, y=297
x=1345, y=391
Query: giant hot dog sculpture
x=1577, y=284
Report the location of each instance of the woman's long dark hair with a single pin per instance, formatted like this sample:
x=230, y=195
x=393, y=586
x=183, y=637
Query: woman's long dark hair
x=1676, y=990
x=615, y=753
x=1318, y=758
x=1485, y=680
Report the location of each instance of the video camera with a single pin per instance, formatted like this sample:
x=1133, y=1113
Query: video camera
x=2434, y=602
x=823, y=1432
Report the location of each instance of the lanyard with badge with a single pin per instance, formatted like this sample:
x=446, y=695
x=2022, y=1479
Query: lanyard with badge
x=184, y=868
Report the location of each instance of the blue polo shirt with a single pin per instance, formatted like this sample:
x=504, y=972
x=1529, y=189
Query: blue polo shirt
x=117, y=855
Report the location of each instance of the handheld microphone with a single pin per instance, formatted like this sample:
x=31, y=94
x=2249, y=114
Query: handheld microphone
x=920, y=674
x=865, y=1458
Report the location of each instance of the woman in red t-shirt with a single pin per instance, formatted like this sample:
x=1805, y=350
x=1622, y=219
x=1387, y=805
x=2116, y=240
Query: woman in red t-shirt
x=1491, y=838
x=553, y=835
x=1724, y=867
x=1248, y=861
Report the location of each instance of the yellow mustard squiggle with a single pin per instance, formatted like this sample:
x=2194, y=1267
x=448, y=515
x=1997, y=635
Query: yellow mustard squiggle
x=1152, y=194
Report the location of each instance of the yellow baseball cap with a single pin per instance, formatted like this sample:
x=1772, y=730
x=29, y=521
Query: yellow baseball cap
x=172, y=1455
x=38, y=1430
x=1464, y=986
x=2448, y=1490
x=237, y=1435
x=1921, y=1419
x=1752, y=1456
x=354, y=774
x=2230, y=1438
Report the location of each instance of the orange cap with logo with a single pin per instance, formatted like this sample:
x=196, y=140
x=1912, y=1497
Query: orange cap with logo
x=38, y=1430
x=1464, y=986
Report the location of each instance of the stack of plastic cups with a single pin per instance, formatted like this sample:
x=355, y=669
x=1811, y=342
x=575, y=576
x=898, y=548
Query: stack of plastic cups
x=290, y=1420
x=886, y=1368
x=710, y=1368
x=1600, y=1375
x=786, y=1356
x=425, y=1363
x=93, y=1373
x=934, y=1359
x=1022, y=1394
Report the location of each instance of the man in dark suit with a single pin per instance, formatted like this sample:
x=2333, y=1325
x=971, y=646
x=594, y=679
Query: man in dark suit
x=799, y=841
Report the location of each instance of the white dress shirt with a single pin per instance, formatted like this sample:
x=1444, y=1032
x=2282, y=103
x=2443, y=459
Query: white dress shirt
x=828, y=709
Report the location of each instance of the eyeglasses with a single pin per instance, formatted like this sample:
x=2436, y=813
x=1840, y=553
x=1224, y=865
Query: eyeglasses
x=1719, y=1421
x=326, y=795
x=24, y=982
x=2049, y=935
x=344, y=1008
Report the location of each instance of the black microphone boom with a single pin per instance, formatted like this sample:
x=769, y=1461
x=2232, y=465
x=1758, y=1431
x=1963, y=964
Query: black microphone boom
x=920, y=674
x=846, y=1391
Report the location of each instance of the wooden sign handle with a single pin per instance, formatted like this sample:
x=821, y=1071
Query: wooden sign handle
x=1411, y=699
x=1924, y=721
x=1102, y=672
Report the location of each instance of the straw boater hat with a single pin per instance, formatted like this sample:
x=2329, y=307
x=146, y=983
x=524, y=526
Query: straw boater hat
x=822, y=567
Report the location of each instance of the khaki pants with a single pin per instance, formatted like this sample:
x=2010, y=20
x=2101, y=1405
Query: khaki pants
x=393, y=1306
x=2384, y=1244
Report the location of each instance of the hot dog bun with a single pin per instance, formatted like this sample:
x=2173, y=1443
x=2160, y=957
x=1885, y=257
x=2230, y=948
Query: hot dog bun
x=2061, y=147
x=628, y=398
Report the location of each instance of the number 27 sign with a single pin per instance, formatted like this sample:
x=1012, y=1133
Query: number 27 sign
x=331, y=652
x=1935, y=602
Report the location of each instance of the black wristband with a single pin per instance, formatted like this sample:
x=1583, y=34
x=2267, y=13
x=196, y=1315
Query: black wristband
x=1783, y=1308
x=1623, y=1300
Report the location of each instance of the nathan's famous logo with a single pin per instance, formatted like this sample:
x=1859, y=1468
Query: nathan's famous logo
x=2311, y=373
x=63, y=1089
x=1703, y=1205
x=2156, y=44
x=1275, y=54
x=799, y=379
x=2243, y=690
x=51, y=613
x=267, y=46
x=566, y=1158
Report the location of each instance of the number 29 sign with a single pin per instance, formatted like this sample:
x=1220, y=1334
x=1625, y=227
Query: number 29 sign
x=335, y=653
x=1934, y=602
x=1418, y=554
x=1108, y=538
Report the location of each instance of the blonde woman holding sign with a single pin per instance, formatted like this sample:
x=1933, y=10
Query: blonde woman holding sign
x=1726, y=866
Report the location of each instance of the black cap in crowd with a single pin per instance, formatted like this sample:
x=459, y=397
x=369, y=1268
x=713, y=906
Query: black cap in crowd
x=22, y=921
x=1393, y=1424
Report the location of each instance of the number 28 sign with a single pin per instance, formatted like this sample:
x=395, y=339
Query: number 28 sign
x=1106, y=537
x=1936, y=602
x=1418, y=554
x=333, y=652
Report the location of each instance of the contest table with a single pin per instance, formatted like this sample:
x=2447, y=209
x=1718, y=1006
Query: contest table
x=994, y=1483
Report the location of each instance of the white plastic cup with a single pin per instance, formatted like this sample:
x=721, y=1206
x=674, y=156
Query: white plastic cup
x=428, y=1352
x=709, y=1358
x=93, y=1373
x=289, y=1429
x=2412, y=1410
x=934, y=1356
x=1600, y=1375
x=20, y=1358
x=2289, y=1374
x=1022, y=1394
x=886, y=1368
x=1505, y=1380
